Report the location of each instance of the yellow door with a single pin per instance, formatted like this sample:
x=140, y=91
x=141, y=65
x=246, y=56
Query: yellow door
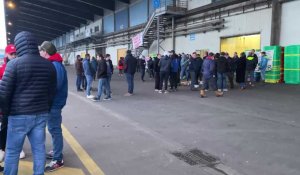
x=240, y=44
x=121, y=53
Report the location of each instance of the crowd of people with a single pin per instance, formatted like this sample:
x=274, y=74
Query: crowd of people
x=215, y=71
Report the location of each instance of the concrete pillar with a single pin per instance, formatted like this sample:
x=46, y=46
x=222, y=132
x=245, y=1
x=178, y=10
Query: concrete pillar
x=158, y=37
x=276, y=22
x=173, y=36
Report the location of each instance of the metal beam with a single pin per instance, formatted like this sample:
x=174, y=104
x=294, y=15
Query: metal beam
x=78, y=7
x=34, y=30
x=40, y=27
x=105, y=4
x=57, y=9
x=65, y=20
x=124, y=1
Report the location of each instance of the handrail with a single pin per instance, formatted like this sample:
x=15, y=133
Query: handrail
x=149, y=23
x=174, y=3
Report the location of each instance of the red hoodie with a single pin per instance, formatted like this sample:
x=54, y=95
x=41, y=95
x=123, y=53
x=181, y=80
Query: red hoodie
x=2, y=68
x=55, y=57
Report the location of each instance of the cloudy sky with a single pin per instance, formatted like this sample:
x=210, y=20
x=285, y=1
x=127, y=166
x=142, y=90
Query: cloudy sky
x=2, y=26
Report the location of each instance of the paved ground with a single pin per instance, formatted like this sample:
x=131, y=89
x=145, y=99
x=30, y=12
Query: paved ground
x=252, y=132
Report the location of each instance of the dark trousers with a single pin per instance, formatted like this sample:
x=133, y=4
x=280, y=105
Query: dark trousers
x=194, y=79
x=151, y=73
x=84, y=83
x=209, y=83
x=157, y=81
x=130, y=82
x=3, y=132
x=173, y=79
x=142, y=74
x=164, y=77
x=230, y=76
x=78, y=81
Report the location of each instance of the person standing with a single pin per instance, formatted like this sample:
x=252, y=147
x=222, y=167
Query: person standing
x=251, y=63
x=156, y=72
x=10, y=54
x=183, y=64
x=194, y=69
x=88, y=72
x=27, y=92
x=121, y=66
x=129, y=70
x=142, y=67
x=208, y=71
x=79, y=72
x=174, y=71
x=165, y=68
x=263, y=65
x=49, y=52
x=222, y=69
x=94, y=65
x=241, y=70
x=110, y=71
x=231, y=68
x=103, y=80
x=150, y=68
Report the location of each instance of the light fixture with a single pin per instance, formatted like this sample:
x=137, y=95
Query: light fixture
x=11, y=5
x=8, y=39
x=9, y=23
x=8, y=33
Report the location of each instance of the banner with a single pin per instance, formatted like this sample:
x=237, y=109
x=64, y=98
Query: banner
x=137, y=40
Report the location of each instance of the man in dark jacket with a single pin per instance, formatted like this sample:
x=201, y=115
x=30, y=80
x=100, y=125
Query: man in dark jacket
x=208, y=71
x=231, y=68
x=251, y=63
x=79, y=72
x=165, y=68
x=110, y=71
x=222, y=69
x=129, y=70
x=195, y=69
x=175, y=63
x=150, y=64
x=27, y=92
x=48, y=51
x=102, y=77
x=94, y=65
x=143, y=67
x=156, y=69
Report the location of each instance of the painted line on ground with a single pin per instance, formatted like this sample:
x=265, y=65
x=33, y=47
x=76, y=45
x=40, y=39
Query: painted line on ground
x=84, y=157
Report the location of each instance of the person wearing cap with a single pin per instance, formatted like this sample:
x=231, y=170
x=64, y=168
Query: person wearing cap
x=165, y=69
x=129, y=70
x=26, y=94
x=48, y=51
x=10, y=53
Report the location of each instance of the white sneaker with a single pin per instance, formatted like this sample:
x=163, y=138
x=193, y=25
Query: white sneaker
x=22, y=155
x=225, y=90
x=160, y=91
x=156, y=90
x=90, y=96
x=2, y=155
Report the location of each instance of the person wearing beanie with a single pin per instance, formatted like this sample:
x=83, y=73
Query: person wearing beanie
x=129, y=70
x=48, y=51
x=27, y=92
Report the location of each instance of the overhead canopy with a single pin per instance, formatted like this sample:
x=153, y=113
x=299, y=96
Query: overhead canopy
x=48, y=19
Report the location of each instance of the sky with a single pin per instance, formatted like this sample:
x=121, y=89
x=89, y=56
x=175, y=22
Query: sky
x=2, y=26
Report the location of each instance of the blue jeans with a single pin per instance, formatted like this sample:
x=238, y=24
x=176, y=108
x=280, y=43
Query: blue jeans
x=20, y=126
x=183, y=73
x=263, y=74
x=129, y=78
x=102, y=85
x=54, y=128
x=250, y=76
x=222, y=81
x=78, y=81
x=108, y=90
x=89, y=81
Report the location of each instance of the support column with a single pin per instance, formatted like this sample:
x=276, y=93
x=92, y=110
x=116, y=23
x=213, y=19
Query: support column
x=158, y=37
x=276, y=22
x=173, y=34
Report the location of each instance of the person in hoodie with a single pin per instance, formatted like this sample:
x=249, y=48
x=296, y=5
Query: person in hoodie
x=241, y=70
x=103, y=80
x=156, y=72
x=130, y=64
x=165, y=68
x=231, y=68
x=10, y=53
x=94, y=65
x=110, y=71
x=88, y=72
x=195, y=69
x=175, y=63
x=48, y=51
x=184, y=64
x=27, y=93
x=208, y=71
x=142, y=67
x=222, y=69
x=251, y=63
x=263, y=66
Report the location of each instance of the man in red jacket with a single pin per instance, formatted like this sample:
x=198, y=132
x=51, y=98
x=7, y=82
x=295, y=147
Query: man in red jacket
x=10, y=53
